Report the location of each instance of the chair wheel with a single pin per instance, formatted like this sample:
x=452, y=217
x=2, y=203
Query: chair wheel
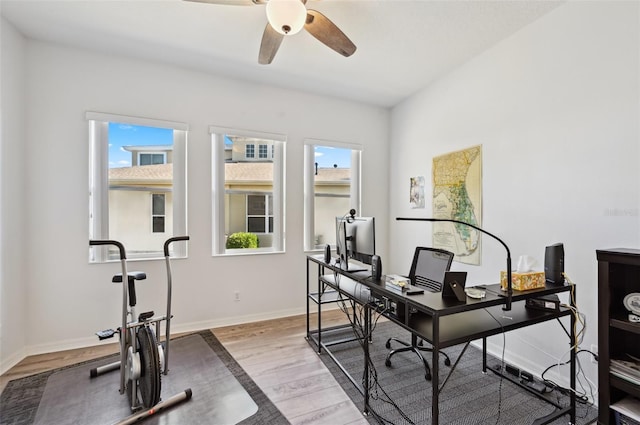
x=427, y=376
x=387, y=363
x=388, y=345
x=447, y=362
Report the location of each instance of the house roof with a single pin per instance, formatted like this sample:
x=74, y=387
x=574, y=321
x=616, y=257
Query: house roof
x=235, y=172
x=263, y=171
x=333, y=175
x=160, y=173
x=248, y=171
x=149, y=148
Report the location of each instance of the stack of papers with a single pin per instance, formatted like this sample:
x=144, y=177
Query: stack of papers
x=397, y=283
x=626, y=369
x=629, y=407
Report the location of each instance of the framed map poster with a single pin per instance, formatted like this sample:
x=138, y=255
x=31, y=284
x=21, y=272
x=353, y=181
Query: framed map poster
x=457, y=195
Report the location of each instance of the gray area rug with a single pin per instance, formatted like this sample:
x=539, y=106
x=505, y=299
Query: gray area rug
x=222, y=392
x=469, y=397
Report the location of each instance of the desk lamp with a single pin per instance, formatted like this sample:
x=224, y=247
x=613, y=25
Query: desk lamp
x=507, y=306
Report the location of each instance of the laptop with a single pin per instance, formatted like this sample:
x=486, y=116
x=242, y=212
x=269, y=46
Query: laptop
x=453, y=285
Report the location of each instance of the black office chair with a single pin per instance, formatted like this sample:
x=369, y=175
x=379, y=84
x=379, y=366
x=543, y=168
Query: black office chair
x=427, y=271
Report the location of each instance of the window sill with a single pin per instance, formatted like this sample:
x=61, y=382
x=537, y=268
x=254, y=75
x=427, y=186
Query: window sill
x=247, y=251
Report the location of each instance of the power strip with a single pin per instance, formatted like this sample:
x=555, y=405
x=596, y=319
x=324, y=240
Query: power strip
x=522, y=377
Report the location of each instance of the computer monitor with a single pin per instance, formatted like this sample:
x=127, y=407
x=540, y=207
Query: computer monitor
x=355, y=239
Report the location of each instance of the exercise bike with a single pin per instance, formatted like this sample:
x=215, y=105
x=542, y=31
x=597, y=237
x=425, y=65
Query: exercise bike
x=142, y=359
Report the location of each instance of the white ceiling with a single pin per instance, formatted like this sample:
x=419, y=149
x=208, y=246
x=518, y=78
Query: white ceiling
x=402, y=44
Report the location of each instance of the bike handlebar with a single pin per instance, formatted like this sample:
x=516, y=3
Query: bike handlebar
x=123, y=254
x=171, y=240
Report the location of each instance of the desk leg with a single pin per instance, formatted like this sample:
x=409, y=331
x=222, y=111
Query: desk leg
x=435, y=372
x=484, y=355
x=365, y=342
x=307, y=297
x=572, y=368
x=320, y=271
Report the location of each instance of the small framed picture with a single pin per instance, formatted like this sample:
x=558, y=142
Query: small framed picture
x=416, y=192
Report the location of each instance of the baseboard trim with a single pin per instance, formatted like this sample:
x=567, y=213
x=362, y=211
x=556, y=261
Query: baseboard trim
x=11, y=361
x=91, y=341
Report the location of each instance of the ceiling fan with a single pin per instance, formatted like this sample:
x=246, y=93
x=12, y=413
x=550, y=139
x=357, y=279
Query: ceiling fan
x=288, y=17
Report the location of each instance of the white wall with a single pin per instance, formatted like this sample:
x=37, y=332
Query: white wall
x=68, y=299
x=13, y=288
x=556, y=109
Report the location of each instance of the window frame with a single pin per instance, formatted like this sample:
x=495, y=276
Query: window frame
x=98, y=127
x=355, y=190
x=218, y=192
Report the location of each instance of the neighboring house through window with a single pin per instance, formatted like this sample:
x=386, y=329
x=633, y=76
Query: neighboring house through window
x=331, y=187
x=248, y=192
x=137, y=185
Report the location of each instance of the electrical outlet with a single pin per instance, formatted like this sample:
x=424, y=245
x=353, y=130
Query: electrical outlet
x=237, y=296
x=594, y=350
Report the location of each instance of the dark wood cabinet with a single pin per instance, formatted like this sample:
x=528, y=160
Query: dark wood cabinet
x=618, y=276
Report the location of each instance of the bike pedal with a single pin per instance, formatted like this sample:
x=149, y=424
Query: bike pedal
x=105, y=334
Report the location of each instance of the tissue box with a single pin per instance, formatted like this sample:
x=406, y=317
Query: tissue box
x=522, y=281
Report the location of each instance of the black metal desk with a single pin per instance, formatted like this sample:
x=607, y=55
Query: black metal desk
x=441, y=322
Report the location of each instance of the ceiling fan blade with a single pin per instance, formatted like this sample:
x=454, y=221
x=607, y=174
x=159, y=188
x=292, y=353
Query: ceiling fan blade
x=231, y=2
x=328, y=33
x=271, y=40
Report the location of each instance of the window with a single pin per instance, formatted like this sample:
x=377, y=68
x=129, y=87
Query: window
x=157, y=212
x=250, y=151
x=262, y=151
x=137, y=192
x=247, y=196
x=259, y=214
x=147, y=158
x=331, y=187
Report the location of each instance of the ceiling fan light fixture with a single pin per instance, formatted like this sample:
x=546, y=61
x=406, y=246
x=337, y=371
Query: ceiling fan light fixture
x=286, y=16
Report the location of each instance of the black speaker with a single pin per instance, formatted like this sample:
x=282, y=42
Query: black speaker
x=376, y=267
x=327, y=253
x=554, y=264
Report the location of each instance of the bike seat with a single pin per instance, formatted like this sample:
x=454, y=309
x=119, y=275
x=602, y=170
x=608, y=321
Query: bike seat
x=145, y=316
x=132, y=275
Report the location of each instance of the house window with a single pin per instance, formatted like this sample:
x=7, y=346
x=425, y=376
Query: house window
x=259, y=214
x=145, y=158
x=157, y=212
x=262, y=151
x=247, y=196
x=132, y=161
x=332, y=188
x=250, y=151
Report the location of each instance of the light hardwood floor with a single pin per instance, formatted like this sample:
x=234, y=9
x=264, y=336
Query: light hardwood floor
x=274, y=353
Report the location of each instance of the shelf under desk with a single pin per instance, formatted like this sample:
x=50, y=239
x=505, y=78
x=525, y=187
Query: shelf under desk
x=471, y=325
